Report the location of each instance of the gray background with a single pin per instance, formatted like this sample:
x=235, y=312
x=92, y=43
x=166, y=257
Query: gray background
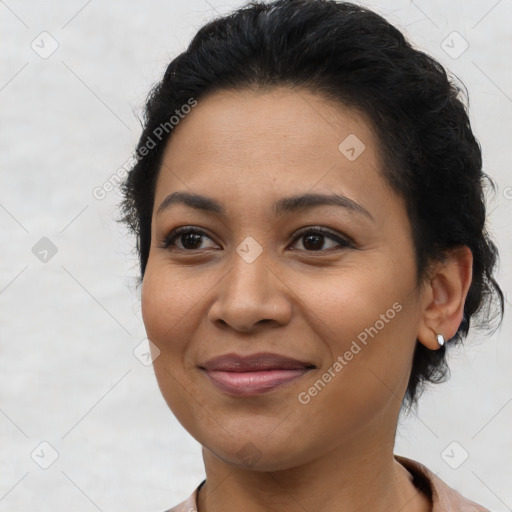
x=69, y=325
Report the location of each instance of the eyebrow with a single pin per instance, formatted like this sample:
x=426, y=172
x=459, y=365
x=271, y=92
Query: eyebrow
x=280, y=207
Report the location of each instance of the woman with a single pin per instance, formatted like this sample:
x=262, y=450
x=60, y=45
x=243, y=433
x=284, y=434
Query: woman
x=308, y=205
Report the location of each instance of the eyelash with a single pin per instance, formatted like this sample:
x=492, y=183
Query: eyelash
x=168, y=240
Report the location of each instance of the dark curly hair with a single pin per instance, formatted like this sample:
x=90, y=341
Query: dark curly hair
x=352, y=55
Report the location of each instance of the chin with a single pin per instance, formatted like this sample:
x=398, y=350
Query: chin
x=255, y=450
x=250, y=457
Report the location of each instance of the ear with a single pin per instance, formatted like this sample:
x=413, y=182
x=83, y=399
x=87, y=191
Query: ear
x=444, y=296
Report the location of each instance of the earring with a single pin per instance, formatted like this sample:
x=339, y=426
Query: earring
x=440, y=339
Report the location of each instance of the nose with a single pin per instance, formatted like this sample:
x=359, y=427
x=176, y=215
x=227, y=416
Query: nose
x=251, y=295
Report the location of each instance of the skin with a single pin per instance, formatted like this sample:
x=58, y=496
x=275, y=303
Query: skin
x=247, y=149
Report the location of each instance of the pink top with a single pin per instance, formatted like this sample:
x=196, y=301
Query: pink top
x=444, y=498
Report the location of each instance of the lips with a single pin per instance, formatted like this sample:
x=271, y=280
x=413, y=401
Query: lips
x=255, y=374
x=253, y=363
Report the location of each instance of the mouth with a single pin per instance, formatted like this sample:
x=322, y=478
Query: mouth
x=255, y=374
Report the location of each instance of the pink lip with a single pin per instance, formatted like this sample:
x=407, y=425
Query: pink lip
x=254, y=362
x=253, y=374
x=252, y=383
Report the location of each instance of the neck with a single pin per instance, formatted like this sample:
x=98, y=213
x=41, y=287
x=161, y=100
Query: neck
x=348, y=478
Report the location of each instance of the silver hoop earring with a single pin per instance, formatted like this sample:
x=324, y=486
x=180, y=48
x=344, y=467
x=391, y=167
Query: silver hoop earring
x=440, y=340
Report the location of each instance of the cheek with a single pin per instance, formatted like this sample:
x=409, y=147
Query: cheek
x=350, y=304
x=168, y=300
x=167, y=307
x=365, y=321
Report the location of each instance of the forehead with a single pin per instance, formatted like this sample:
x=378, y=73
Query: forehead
x=245, y=144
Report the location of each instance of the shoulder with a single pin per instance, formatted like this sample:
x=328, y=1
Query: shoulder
x=444, y=498
x=188, y=505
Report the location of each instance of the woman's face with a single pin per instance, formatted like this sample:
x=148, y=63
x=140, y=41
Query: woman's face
x=250, y=278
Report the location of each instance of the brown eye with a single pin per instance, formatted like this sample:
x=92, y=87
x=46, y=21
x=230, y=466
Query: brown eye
x=314, y=239
x=190, y=239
